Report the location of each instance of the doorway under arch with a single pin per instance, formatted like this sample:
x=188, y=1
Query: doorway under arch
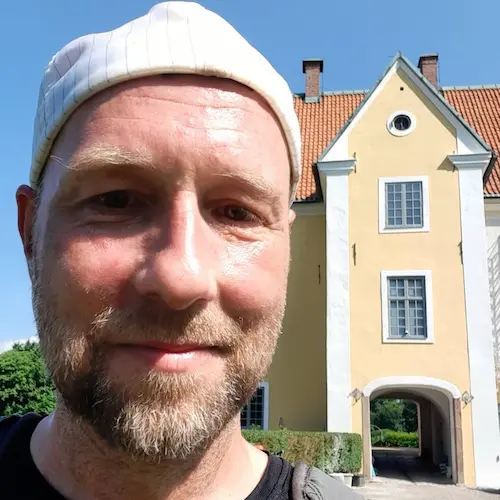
x=440, y=429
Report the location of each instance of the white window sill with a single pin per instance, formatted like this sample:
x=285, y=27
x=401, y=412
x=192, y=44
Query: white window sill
x=404, y=230
x=407, y=341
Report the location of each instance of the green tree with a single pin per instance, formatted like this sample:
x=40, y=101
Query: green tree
x=25, y=385
x=410, y=416
x=387, y=414
x=395, y=414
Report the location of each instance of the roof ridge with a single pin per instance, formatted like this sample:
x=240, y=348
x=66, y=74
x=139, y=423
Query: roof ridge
x=472, y=87
x=334, y=92
x=488, y=86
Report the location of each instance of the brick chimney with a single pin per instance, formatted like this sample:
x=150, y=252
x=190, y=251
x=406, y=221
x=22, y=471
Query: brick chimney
x=428, y=66
x=312, y=68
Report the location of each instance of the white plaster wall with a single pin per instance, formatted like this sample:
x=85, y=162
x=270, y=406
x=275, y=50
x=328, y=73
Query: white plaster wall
x=493, y=248
x=338, y=367
x=479, y=329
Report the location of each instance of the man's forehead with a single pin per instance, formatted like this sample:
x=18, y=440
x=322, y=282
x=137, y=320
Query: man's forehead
x=164, y=97
x=186, y=88
x=208, y=102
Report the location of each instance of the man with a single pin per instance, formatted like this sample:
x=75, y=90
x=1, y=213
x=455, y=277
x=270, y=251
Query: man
x=156, y=230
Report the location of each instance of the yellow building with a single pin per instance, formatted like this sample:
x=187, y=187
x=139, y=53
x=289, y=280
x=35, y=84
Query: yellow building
x=389, y=286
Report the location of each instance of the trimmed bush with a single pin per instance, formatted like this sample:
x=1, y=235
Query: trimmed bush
x=274, y=442
x=330, y=452
x=351, y=453
x=394, y=439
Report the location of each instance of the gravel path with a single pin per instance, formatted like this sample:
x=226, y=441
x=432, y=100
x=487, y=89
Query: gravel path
x=403, y=489
x=407, y=478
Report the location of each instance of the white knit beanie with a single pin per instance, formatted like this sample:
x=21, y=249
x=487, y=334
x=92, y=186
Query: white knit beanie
x=174, y=37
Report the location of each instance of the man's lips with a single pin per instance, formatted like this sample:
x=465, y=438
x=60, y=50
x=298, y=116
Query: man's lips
x=178, y=348
x=177, y=357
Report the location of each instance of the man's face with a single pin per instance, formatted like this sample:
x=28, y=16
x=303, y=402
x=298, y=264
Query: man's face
x=159, y=259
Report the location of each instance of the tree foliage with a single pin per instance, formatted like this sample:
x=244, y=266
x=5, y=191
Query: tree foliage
x=410, y=416
x=25, y=385
x=394, y=414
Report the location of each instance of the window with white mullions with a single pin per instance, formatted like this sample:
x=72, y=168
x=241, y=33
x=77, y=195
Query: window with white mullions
x=404, y=205
x=407, y=308
x=255, y=413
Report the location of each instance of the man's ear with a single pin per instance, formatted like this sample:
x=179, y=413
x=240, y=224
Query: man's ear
x=26, y=208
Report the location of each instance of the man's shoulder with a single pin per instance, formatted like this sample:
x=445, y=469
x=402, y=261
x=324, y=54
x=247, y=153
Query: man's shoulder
x=12, y=426
x=310, y=483
x=10, y=421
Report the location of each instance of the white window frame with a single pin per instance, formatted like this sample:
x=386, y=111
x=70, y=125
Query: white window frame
x=401, y=133
x=429, y=309
x=382, y=181
x=265, y=414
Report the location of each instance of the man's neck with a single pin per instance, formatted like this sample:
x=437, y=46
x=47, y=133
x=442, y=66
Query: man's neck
x=81, y=466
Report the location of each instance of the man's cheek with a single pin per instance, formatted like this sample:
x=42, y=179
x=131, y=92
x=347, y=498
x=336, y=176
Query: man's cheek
x=256, y=282
x=92, y=266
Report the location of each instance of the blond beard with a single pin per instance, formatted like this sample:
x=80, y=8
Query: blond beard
x=157, y=416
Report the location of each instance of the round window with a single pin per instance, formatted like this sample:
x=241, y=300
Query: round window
x=401, y=123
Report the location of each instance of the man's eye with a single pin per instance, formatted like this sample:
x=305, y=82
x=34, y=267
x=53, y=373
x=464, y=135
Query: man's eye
x=116, y=200
x=238, y=214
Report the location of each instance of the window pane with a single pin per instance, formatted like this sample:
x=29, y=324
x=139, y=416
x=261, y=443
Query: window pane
x=406, y=307
x=414, y=198
x=244, y=416
x=253, y=413
x=397, y=323
x=404, y=204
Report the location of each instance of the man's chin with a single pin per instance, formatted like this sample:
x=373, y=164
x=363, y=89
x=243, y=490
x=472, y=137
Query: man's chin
x=156, y=417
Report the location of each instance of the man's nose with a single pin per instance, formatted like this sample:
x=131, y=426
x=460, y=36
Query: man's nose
x=181, y=262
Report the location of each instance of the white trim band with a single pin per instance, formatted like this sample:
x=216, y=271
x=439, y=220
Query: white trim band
x=335, y=184
x=405, y=382
x=478, y=319
x=473, y=160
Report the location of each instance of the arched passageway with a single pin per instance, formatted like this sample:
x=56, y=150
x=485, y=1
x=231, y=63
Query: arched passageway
x=439, y=456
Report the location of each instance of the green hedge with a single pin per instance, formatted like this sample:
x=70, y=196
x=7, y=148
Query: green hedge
x=394, y=439
x=330, y=452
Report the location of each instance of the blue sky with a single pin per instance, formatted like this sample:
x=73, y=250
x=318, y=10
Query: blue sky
x=356, y=40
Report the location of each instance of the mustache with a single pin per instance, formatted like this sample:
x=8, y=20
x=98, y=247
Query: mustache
x=155, y=322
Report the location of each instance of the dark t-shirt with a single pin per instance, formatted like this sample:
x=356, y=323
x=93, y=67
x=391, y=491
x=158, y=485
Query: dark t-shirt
x=21, y=480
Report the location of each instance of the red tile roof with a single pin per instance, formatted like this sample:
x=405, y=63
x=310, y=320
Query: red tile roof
x=480, y=107
x=320, y=123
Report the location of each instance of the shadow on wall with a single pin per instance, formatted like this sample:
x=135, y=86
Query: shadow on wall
x=494, y=277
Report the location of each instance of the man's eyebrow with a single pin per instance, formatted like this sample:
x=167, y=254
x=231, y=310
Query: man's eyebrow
x=252, y=183
x=97, y=157
x=106, y=157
